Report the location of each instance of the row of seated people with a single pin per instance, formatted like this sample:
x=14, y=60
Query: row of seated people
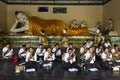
x=41, y=54
x=99, y=56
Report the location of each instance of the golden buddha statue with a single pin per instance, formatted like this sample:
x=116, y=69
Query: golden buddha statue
x=33, y=25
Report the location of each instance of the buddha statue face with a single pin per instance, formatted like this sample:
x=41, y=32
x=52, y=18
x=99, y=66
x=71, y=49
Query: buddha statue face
x=74, y=21
x=84, y=22
x=21, y=17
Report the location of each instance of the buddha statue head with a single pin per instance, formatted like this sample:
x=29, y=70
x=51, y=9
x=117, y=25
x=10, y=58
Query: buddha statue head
x=21, y=16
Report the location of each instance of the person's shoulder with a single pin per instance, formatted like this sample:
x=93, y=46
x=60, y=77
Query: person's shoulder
x=21, y=48
x=66, y=53
x=103, y=53
x=46, y=52
x=4, y=47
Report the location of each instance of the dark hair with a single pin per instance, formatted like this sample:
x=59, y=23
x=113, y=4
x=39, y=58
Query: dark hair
x=8, y=44
x=23, y=45
x=70, y=49
x=56, y=44
x=84, y=44
x=105, y=48
x=70, y=44
x=48, y=47
x=66, y=29
x=40, y=44
x=16, y=12
x=115, y=45
x=43, y=31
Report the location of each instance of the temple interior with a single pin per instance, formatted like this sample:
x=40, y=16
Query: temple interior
x=85, y=31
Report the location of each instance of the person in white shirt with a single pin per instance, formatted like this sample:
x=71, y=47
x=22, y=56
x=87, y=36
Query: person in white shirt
x=31, y=59
x=70, y=46
x=90, y=58
x=49, y=56
x=7, y=52
x=115, y=52
x=99, y=51
x=82, y=51
x=106, y=55
x=89, y=43
x=40, y=52
x=107, y=44
x=70, y=59
x=57, y=51
x=22, y=53
x=107, y=59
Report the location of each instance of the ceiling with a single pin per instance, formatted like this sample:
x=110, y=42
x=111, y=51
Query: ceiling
x=68, y=2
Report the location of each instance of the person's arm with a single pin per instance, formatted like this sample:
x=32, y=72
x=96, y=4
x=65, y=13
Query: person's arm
x=103, y=57
x=3, y=54
x=14, y=26
x=111, y=57
x=23, y=28
x=35, y=57
x=66, y=57
x=53, y=57
x=45, y=56
x=74, y=59
x=11, y=52
x=19, y=53
x=89, y=58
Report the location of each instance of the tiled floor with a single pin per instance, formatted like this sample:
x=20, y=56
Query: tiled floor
x=7, y=73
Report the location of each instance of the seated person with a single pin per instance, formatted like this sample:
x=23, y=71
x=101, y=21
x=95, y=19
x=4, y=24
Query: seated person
x=89, y=43
x=7, y=52
x=22, y=53
x=116, y=52
x=74, y=24
x=49, y=57
x=107, y=58
x=95, y=30
x=57, y=51
x=82, y=52
x=107, y=44
x=70, y=46
x=69, y=60
x=31, y=59
x=90, y=58
x=99, y=51
x=40, y=52
x=83, y=24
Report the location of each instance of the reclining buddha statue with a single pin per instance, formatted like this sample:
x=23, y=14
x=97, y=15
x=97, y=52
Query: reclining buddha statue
x=34, y=25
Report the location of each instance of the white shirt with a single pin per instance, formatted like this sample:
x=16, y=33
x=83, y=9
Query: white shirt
x=9, y=53
x=98, y=51
x=39, y=52
x=66, y=56
x=113, y=50
x=22, y=53
x=107, y=44
x=49, y=59
x=27, y=57
x=88, y=45
x=58, y=53
x=68, y=49
x=88, y=55
x=104, y=56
